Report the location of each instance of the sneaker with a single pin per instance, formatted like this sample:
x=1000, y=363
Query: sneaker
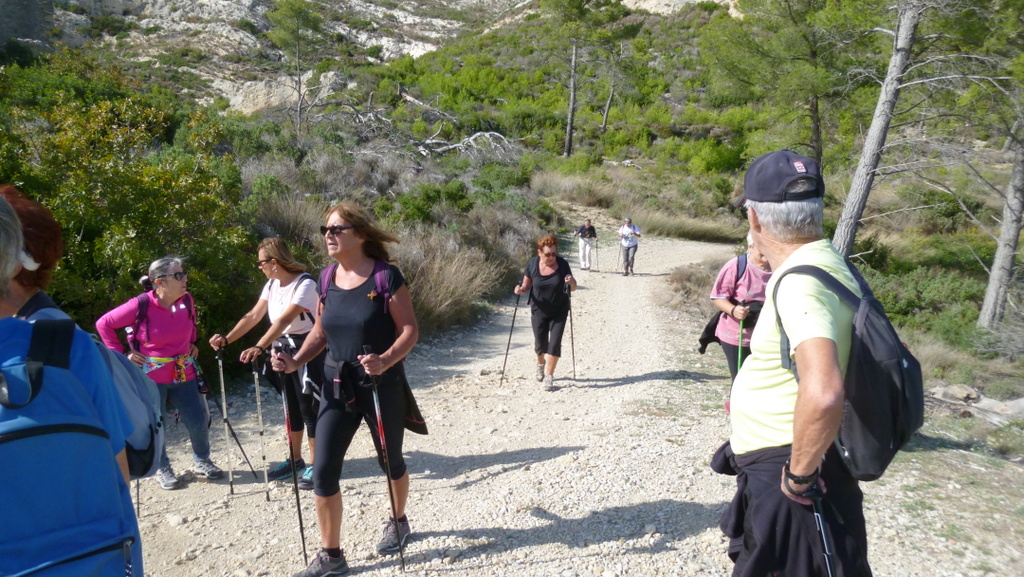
x=285, y=469
x=306, y=480
x=549, y=383
x=323, y=565
x=206, y=468
x=540, y=373
x=389, y=539
x=165, y=476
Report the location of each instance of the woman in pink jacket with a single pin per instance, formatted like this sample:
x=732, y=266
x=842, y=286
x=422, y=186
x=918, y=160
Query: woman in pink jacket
x=163, y=345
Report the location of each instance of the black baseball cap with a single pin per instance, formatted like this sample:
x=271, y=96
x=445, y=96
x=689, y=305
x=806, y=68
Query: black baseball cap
x=780, y=176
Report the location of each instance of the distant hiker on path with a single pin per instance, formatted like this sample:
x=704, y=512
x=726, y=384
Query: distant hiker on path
x=781, y=449
x=162, y=342
x=547, y=278
x=290, y=300
x=588, y=236
x=364, y=301
x=628, y=239
x=739, y=297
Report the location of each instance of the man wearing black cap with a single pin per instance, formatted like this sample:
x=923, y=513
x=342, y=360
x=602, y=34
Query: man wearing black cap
x=782, y=430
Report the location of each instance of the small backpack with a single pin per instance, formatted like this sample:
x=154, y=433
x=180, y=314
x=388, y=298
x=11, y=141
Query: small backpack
x=68, y=513
x=380, y=279
x=141, y=399
x=883, y=384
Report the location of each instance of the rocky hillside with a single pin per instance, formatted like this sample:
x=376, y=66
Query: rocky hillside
x=220, y=43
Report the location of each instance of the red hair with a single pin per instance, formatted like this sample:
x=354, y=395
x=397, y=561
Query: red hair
x=43, y=240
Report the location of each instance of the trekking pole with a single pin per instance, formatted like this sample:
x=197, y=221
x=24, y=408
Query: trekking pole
x=815, y=495
x=224, y=414
x=259, y=419
x=514, y=311
x=295, y=474
x=368, y=350
x=572, y=341
x=739, y=351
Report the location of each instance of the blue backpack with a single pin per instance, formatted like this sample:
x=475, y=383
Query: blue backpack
x=67, y=511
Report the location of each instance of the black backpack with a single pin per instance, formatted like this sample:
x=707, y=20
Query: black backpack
x=883, y=384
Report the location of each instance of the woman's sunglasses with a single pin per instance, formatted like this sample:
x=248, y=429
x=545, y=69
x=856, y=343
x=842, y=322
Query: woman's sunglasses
x=334, y=229
x=177, y=275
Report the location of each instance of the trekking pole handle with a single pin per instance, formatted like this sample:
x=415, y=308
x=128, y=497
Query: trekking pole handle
x=368, y=350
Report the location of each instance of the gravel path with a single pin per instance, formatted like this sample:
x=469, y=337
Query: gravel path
x=607, y=476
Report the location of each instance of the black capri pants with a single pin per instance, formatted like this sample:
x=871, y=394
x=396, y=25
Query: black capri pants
x=338, y=423
x=547, y=332
x=302, y=408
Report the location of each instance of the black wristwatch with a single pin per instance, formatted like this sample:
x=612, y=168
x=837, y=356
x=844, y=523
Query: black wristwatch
x=800, y=480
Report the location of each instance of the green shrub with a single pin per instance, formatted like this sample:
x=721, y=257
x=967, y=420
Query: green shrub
x=247, y=26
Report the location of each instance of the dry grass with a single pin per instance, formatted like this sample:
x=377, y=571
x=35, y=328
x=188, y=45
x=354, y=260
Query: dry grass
x=577, y=189
x=691, y=286
x=447, y=279
x=297, y=221
x=660, y=222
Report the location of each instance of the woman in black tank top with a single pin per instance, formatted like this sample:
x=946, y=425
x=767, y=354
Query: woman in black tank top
x=356, y=312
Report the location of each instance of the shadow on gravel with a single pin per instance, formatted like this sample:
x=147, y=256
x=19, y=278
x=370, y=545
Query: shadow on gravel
x=599, y=383
x=671, y=521
x=921, y=443
x=457, y=467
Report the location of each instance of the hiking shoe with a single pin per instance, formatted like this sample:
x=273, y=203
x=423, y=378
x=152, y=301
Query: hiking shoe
x=306, y=480
x=206, y=468
x=165, y=476
x=549, y=383
x=540, y=373
x=389, y=539
x=323, y=565
x=285, y=469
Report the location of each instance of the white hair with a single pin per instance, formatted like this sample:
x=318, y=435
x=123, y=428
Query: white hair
x=11, y=245
x=791, y=219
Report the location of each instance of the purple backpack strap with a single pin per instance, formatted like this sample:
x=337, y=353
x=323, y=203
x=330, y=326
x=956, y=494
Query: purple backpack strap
x=325, y=281
x=380, y=278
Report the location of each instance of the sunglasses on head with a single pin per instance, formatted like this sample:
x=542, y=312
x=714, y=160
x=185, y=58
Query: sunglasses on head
x=334, y=229
x=182, y=275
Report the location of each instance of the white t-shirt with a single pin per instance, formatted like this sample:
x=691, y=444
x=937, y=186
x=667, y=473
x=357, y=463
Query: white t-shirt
x=629, y=232
x=302, y=292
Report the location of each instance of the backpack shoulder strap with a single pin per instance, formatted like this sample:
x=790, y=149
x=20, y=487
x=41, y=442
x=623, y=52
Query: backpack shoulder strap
x=830, y=282
x=381, y=280
x=741, y=267
x=141, y=312
x=190, y=305
x=50, y=345
x=325, y=281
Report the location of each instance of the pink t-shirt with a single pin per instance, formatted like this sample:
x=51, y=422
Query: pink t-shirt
x=749, y=288
x=164, y=333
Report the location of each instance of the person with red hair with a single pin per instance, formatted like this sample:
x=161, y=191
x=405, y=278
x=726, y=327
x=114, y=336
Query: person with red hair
x=548, y=279
x=44, y=246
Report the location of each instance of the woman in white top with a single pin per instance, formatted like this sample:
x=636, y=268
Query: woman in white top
x=290, y=299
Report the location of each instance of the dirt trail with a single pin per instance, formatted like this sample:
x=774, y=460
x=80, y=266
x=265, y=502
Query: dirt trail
x=606, y=476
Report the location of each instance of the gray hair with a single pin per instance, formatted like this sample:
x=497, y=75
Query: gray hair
x=791, y=219
x=159, y=268
x=11, y=245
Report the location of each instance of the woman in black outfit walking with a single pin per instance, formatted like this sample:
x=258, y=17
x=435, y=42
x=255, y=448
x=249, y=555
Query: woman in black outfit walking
x=356, y=311
x=546, y=278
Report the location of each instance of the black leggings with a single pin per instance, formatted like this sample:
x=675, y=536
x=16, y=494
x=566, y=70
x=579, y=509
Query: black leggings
x=338, y=426
x=547, y=332
x=302, y=408
x=730, y=356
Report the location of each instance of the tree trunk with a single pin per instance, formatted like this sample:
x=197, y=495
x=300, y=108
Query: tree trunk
x=607, y=107
x=567, y=151
x=908, y=19
x=994, y=305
